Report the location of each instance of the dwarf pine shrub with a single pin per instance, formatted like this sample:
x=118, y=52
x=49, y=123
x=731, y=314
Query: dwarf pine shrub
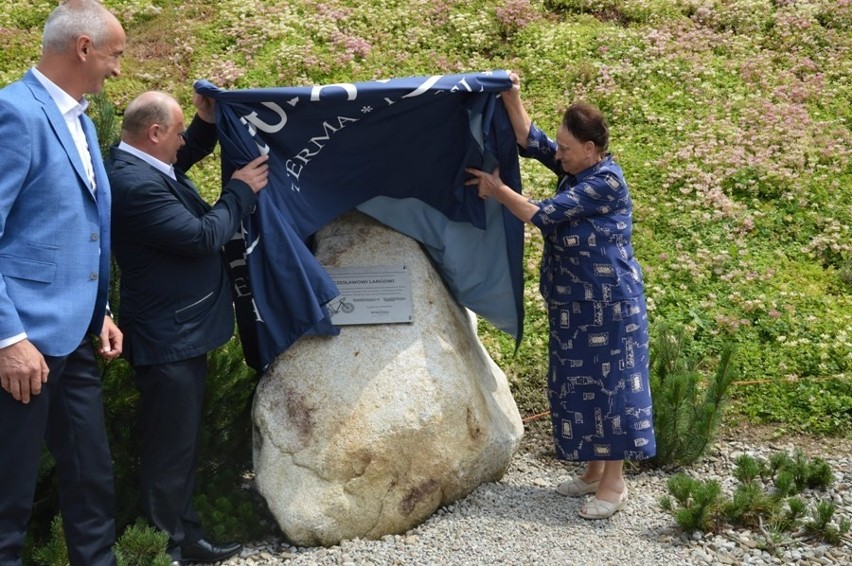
x=139, y=545
x=142, y=545
x=54, y=552
x=696, y=505
x=765, y=498
x=687, y=407
x=821, y=527
x=749, y=505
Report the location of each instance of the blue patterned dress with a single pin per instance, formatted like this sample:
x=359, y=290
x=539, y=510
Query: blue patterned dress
x=600, y=398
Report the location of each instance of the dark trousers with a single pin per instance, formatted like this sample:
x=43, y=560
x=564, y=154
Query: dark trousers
x=170, y=421
x=68, y=415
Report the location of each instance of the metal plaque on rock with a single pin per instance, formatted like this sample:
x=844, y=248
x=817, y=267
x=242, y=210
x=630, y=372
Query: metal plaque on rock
x=371, y=295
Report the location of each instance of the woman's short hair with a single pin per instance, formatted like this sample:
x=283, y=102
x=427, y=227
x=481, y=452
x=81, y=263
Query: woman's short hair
x=587, y=123
x=74, y=18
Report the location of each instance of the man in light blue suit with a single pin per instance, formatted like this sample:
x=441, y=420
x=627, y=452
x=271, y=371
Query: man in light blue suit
x=54, y=276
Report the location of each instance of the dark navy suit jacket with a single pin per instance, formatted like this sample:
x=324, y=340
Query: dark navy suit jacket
x=176, y=300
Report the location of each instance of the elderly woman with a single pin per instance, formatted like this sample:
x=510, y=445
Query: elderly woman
x=600, y=399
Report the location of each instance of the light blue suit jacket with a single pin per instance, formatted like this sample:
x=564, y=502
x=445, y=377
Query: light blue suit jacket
x=54, y=232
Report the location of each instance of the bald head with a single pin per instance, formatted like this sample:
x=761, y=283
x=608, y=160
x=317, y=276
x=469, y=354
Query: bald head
x=147, y=109
x=74, y=18
x=154, y=123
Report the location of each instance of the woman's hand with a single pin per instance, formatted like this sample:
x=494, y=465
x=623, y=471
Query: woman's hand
x=516, y=82
x=488, y=184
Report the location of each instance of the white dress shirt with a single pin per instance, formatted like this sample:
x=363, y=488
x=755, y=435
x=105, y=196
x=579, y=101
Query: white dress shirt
x=149, y=159
x=71, y=110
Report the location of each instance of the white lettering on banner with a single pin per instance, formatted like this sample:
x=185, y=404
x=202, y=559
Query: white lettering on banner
x=264, y=149
x=424, y=87
x=250, y=248
x=463, y=83
x=257, y=317
x=351, y=91
x=241, y=287
x=263, y=126
x=253, y=123
x=239, y=265
x=316, y=144
x=296, y=163
x=466, y=86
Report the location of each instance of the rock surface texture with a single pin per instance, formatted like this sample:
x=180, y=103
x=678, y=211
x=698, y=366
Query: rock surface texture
x=368, y=433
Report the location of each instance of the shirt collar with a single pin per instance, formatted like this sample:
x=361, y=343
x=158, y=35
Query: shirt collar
x=149, y=159
x=574, y=179
x=64, y=101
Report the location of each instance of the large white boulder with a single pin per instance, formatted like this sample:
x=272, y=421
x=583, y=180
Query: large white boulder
x=369, y=432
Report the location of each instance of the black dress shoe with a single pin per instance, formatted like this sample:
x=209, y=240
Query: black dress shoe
x=205, y=551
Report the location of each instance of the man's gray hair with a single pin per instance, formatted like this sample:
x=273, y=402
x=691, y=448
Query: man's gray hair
x=74, y=18
x=152, y=107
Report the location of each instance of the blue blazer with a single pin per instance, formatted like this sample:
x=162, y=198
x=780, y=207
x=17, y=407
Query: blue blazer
x=54, y=232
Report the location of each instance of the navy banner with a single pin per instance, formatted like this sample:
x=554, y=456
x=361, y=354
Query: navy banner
x=394, y=149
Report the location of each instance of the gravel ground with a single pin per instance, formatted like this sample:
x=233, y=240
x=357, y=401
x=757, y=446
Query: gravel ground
x=522, y=520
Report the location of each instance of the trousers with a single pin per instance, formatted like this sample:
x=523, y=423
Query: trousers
x=68, y=416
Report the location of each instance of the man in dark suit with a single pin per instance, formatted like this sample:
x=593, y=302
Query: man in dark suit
x=176, y=302
x=54, y=277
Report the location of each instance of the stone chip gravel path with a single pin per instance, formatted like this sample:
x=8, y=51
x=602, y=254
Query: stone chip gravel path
x=521, y=520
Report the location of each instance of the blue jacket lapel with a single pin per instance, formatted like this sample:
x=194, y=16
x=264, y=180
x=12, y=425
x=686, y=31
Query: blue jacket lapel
x=57, y=123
